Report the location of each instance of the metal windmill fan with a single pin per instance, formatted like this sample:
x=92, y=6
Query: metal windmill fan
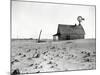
x=79, y=18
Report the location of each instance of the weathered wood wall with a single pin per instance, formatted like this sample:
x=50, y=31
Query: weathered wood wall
x=70, y=37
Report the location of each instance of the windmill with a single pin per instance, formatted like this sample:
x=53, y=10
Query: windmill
x=80, y=19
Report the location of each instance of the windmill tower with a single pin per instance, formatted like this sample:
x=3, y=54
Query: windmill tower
x=80, y=19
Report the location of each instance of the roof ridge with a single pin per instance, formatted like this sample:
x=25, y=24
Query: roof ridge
x=65, y=25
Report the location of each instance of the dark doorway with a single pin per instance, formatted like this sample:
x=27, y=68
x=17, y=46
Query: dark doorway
x=68, y=37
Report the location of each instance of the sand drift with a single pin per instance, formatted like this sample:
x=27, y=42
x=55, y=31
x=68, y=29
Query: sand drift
x=31, y=57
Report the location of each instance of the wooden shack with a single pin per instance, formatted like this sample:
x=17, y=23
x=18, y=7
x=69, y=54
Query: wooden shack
x=69, y=32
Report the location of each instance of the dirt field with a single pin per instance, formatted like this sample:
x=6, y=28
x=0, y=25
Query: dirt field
x=31, y=57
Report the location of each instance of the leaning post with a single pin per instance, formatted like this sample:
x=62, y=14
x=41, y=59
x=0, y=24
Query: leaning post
x=39, y=36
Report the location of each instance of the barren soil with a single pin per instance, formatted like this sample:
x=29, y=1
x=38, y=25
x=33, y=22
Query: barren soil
x=31, y=57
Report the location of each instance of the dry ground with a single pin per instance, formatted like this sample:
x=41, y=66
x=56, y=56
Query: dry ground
x=31, y=57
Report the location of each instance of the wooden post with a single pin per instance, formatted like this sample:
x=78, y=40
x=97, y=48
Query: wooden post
x=39, y=36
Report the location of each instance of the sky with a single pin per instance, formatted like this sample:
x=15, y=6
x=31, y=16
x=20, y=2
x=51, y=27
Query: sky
x=28, y=18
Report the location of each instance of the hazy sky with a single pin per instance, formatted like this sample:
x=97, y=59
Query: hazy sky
x=28, y=18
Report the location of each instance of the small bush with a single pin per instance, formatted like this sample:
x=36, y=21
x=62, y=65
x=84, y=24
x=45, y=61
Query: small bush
x=15, y=72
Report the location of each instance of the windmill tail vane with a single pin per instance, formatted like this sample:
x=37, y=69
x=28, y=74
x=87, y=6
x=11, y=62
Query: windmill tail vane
x=83, y=18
